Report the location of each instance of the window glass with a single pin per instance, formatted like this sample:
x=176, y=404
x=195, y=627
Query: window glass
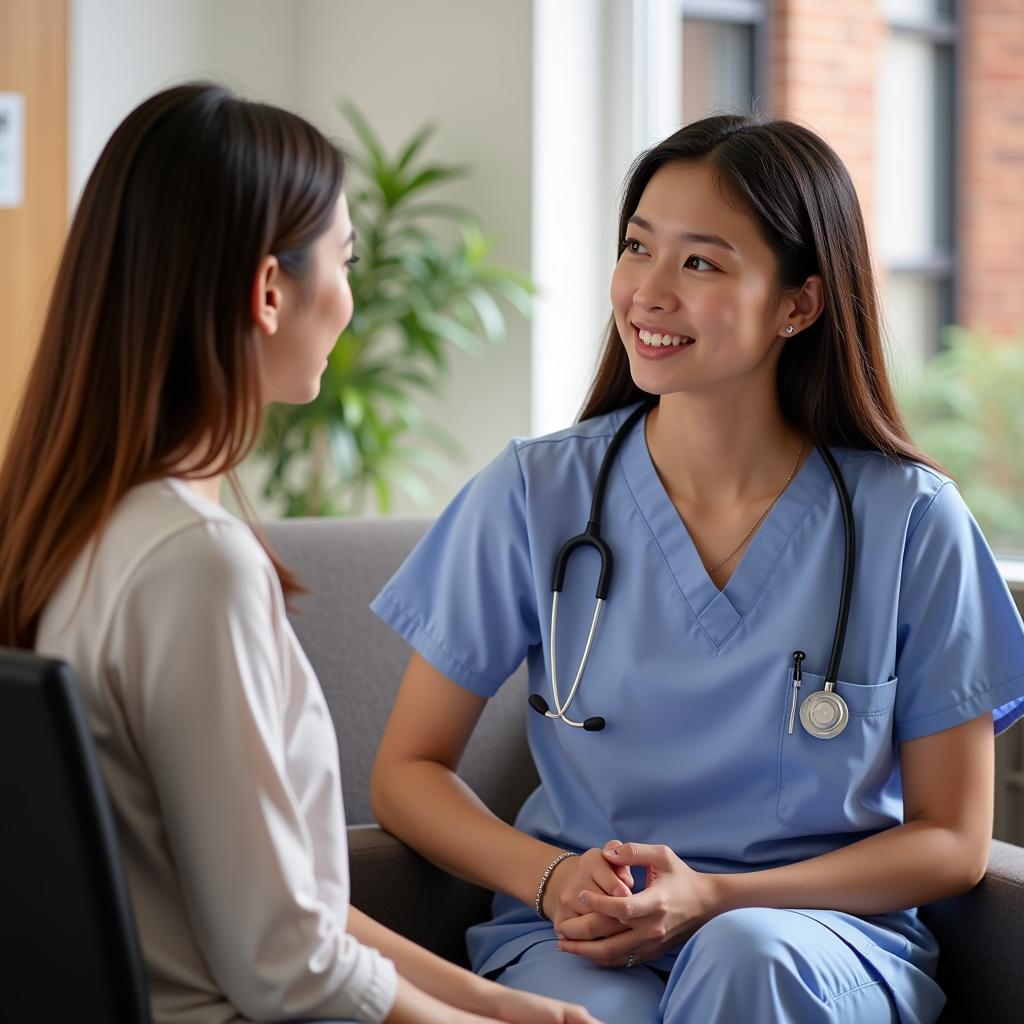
x=913, y=313
x=718, y=68
x=917, y=10
x=907, y=150
x=915, y=200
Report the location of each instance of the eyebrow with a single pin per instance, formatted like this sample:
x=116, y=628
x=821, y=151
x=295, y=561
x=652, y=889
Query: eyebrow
x=688, y=236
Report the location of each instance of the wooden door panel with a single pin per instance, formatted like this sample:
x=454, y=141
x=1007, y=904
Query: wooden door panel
x=33, y=61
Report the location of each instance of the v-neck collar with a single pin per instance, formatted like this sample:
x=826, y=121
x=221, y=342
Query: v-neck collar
x=718, y=612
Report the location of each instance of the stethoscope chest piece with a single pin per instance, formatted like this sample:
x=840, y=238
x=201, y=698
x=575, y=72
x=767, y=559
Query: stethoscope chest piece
x=824, y=714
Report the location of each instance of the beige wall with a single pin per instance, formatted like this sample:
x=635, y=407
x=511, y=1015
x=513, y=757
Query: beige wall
x=465, y=64
x=121, y=51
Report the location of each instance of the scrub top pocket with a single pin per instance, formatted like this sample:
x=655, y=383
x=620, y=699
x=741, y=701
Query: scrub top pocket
x=847, y=783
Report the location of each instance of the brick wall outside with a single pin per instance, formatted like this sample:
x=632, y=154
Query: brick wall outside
x=824, y=72
x=825, y=68
x=991, y=202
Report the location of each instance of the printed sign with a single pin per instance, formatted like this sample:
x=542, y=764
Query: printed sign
x=12, y=149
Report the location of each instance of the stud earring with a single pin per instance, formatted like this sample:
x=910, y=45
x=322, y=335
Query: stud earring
x=790, y=328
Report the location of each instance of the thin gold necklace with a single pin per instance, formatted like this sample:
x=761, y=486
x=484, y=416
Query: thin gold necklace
x=760, y=519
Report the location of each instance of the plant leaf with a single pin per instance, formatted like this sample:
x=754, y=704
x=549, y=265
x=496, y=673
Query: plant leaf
x=451, y=330
x=488, y=311
x=366, y=136
x=414, y=145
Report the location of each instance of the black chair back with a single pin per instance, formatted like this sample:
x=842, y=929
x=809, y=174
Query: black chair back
x=70, y=946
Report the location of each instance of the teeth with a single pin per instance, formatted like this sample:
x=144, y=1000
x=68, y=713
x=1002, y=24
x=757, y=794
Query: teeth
x=660, y=340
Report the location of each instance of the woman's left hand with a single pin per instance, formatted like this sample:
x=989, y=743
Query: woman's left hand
x=675, y=902
x=515, y=1007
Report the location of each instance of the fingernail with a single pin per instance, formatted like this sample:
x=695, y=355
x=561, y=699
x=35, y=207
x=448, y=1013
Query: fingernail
x=559, y=936
x=584, y=899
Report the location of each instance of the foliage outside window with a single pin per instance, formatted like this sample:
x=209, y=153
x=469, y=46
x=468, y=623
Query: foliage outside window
x=966, y=409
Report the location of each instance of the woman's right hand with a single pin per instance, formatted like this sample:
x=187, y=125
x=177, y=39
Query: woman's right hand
x=590, y=871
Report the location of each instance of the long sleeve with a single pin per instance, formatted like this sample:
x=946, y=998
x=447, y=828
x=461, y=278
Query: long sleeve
x=236, y=735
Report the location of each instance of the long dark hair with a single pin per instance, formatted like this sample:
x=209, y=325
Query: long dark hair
x=147, y=354
x=832, y=381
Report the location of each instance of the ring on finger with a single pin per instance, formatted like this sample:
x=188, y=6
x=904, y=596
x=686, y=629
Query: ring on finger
x=631, y=960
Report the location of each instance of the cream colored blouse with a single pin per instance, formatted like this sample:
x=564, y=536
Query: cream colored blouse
x=221, y=761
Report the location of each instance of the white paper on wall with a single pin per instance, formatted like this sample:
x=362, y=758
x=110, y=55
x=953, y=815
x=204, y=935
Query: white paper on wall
x=12, y=149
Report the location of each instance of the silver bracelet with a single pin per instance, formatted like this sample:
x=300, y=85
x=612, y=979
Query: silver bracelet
x=543, y=884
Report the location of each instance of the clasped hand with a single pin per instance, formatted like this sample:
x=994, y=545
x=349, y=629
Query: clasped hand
x=597, y=915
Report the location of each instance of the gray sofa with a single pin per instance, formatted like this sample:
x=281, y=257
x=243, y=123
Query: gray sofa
x=360, y=662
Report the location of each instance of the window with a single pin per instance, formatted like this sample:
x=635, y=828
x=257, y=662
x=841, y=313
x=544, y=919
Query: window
x=915, y=154
x=723, y=56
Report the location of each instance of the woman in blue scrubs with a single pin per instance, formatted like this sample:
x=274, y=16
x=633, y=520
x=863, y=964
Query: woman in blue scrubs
x=704, y=857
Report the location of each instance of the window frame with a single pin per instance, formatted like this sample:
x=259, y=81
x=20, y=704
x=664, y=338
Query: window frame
x=756, y=14
x=939, y=267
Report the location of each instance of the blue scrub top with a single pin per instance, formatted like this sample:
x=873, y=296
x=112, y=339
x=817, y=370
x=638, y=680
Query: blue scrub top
x=695, y=683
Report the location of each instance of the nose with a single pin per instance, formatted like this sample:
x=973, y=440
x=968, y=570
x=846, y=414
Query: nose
x=656, y=289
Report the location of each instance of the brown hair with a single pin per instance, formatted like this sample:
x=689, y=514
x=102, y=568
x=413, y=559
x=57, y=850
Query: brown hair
x=832, y=382
x=147, y=354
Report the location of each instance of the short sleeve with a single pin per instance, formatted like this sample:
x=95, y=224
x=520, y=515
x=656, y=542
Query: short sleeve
x=960, y=641
x=465, y=598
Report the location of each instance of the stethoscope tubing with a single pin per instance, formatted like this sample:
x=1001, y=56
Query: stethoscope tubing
x=591, y=537
x=849, y=560
x=560, y=709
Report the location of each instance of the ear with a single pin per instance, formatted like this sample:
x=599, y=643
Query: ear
x=800, y=307
x=266, y=295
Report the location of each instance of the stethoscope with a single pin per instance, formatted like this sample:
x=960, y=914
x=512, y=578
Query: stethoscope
x=823, y=714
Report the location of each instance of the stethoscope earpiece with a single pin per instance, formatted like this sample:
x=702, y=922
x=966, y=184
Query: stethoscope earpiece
x=539, y=704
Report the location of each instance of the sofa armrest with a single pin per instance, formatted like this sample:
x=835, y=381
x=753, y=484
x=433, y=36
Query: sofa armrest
x=981, y=938
x=401, y=890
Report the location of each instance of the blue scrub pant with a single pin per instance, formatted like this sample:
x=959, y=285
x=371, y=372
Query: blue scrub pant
x=752, y=964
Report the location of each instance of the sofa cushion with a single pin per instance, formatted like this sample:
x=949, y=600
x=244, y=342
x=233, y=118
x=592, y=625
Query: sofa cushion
x=343, y=563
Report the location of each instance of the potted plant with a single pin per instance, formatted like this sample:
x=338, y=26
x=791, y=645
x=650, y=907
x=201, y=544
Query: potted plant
x=423, y=286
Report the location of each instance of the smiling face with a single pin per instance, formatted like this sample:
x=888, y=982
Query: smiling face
x=309, y=316
x=695, y=293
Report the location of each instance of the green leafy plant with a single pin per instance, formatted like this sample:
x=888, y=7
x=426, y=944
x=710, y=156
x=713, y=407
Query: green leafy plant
x=423, y=288
x=966, y=408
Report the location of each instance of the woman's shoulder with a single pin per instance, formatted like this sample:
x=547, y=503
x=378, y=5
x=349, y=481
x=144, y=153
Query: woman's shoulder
x=547, y=456
x=166, y=521
x=579, y=445
x=596, y=428
x=897, y=488
x=527, y=466
x=161, y=538
x=163, y=530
